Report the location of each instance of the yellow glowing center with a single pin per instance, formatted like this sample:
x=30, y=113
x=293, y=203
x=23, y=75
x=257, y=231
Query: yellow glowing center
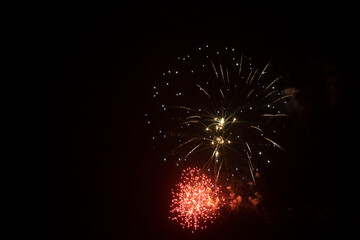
x=221, y=122
x=220, y=140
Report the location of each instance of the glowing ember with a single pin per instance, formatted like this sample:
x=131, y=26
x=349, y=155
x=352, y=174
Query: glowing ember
x=196, y=200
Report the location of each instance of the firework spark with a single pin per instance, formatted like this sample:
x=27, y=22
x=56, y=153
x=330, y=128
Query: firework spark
x=196, y=200
x=221, y=111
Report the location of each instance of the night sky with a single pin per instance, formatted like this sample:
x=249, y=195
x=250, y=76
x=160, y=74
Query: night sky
x=95, y=176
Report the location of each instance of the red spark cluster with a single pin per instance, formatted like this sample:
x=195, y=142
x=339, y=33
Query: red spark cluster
x=196, y=200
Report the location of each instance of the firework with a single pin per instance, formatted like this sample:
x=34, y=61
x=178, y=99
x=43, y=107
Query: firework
x=196, y=200
x=220, y=107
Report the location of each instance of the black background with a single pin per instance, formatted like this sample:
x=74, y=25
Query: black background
x=94, y=175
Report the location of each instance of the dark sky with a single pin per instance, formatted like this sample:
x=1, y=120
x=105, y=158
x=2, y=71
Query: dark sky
x=95, y=177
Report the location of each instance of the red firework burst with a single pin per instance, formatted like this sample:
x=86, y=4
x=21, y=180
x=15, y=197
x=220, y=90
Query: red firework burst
x=196, y=200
